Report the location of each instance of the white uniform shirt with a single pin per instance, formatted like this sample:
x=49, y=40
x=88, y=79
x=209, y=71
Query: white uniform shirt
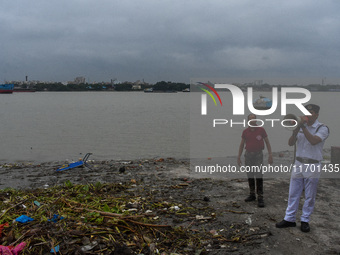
x=305, y=149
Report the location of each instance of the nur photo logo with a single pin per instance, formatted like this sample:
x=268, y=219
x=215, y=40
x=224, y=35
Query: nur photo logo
x=238, y=103
x=238, y=99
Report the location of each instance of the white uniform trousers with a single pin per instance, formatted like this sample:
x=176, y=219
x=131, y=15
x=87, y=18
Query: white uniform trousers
x=304, y=176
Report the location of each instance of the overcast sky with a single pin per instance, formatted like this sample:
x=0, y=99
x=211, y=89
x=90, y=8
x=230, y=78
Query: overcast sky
x=287, y=42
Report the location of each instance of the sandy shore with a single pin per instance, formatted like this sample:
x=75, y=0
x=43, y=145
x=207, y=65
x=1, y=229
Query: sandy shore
x=171, y=180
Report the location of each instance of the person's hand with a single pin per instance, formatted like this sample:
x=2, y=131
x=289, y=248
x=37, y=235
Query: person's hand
x=239, y=162
x=270, y=159
x=304, y=119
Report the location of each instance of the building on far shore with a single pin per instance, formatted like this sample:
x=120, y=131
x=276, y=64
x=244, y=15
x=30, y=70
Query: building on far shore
x=79, y=80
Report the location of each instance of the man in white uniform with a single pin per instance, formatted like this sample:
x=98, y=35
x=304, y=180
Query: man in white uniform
x=309, y=139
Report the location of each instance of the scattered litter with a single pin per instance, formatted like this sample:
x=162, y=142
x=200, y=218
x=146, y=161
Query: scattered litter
x=159, y=220
x=37, y=203
x=55, y=249
x=201, y=217
x=126, y=162
x=176, y=208
x=214, y=232
x=10, y=250
x=2, y=227
x=23, y=219
x=90, y=246
x=249, y=221
x=56, y=218
x=76, y=164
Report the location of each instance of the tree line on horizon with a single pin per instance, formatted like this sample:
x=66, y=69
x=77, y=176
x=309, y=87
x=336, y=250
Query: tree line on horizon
x=126, y=86
x=161, y=86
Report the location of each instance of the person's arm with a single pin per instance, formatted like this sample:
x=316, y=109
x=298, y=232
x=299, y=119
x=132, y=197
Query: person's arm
x=240, y=150
x=292, y=140
x=313, y=139
x=269, y=148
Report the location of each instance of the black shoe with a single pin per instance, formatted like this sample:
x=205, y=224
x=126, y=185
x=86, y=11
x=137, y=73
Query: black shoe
x=285, y=224
x=260, y=202
x=250, y=198
x=305, y=227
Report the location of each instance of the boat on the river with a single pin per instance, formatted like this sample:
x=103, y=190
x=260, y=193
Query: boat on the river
x=262, y=103
x=6, y=88
x=148, y=90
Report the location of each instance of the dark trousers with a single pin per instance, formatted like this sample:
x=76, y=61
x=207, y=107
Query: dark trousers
x=255, y=179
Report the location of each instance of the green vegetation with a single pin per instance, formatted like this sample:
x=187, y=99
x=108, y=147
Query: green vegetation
x=93, y=219
x=126, y=86
x=70, y=87
x=162, y=85
x=159, y=86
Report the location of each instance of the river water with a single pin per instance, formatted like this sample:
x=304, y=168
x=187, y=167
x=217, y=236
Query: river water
x=49, y=126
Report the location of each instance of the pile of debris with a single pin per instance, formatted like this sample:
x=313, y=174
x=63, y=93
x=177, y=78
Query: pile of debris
x=105, y=219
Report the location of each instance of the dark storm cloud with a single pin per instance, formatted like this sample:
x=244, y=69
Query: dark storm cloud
x=290, y=41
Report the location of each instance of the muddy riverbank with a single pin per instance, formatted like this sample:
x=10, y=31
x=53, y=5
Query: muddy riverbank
x=217, y=206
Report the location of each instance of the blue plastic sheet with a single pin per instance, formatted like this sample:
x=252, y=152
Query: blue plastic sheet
x=56, y=249
x=24, y=219
x=56, y=218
